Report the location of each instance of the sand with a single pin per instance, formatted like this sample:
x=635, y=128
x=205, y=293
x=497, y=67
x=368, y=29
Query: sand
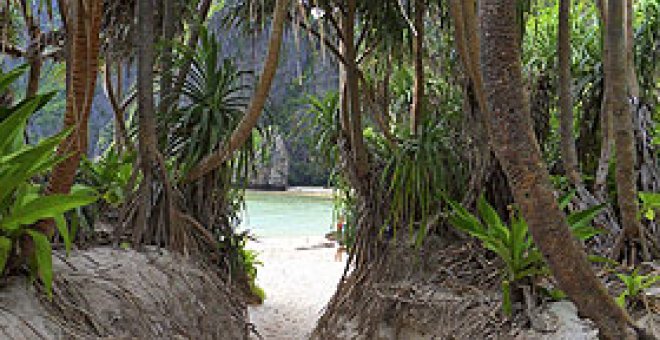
x=298, y=284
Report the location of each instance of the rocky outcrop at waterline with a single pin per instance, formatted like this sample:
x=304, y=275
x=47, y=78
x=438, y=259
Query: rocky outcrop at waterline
x=272, y=168
x=123, y=294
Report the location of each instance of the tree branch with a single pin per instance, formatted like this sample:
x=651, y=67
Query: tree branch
x=249, y=121
x=369, y=92
x=11, y=50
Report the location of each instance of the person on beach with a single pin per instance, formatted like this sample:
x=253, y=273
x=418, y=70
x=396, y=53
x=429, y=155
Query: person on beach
x=340, y=239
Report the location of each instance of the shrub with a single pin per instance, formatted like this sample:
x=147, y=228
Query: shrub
x=22, y=203
x=512, y=243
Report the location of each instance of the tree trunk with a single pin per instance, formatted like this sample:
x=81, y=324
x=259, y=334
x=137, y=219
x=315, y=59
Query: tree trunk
x=120, y=134
x=607, y=143
x=83, y=62
x=568, y=151
x=357, y=140
x=386, y=88
x=34, y=60
x=33, y=77
x=417, y=108
x=633, y=83
x=471, y=34
x=251, y=117
x=343, y=88
x=516, y=147
x=169, y=30
x=624, y=141
x=146, y=114
x=33, y=55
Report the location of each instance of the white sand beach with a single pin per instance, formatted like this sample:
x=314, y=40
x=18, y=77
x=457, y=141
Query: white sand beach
x=298, y=284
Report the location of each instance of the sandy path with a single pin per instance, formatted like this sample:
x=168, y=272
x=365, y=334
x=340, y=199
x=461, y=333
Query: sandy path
x=298, y=284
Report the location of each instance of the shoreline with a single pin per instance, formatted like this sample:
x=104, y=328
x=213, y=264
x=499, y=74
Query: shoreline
x=320, y=192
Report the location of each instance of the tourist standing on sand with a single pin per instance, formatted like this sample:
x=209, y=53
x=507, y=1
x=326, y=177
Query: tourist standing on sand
x=340, y=239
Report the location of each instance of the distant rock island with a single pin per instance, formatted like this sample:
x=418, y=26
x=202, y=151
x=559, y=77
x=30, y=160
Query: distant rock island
x=272, y=169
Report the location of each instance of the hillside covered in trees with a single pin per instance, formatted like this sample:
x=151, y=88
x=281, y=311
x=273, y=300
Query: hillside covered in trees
x=494, y=164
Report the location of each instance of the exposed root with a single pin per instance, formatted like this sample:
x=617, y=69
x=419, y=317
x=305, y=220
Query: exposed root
x=439, y=291
x=125, y=294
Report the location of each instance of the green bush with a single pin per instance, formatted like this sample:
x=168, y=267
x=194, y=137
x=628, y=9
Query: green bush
x=22, y=203
x=243, y=262
x=512, y=243
x=110, y=175
x=635, y=285
x=650, y=204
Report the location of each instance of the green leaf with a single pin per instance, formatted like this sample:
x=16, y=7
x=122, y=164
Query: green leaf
x=13, y=126
x=566, y=199
x=8, y=78
x=531, y=272
x=75, y=224
x=519, y=234
x=45, y=207
x=584, y=217
x=621, y=299
x=44, y=260
x=5, y=249
x=506, y=297
x=63, y=229
x=557, y=294
x=650, y=198
x=534, y=258
x=602, y=259
x=492, y=220
x=650, y=214
x=649, y=281
x=24, y=164
x=627, y=279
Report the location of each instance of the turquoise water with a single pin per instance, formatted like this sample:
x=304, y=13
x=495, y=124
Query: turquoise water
x=277, y=214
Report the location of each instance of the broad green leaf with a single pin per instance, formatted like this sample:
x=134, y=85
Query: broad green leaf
x=492, y=219
x=621, y=299
x=627, y=279
x=75, y=224
x=649, y=281
x=63, y=229
x=5, y=250
x=531, y=272
x=585, y=217
x=650, y=198
x=566, y=199
x=45, y=207
x=24, y=164
x=519, y=234
x=506, y=297
x=43, y=254
x=8, y=78
x=602, y=259
x=11, y=129
x=557, y=294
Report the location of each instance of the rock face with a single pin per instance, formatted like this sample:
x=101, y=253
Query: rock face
x=272, y=171
x=123, y=294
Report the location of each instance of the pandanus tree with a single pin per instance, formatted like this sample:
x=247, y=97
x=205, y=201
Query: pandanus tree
x=214, y=99
x=249, y=121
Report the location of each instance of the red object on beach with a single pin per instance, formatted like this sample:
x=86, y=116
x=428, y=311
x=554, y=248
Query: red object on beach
x=340, y=226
